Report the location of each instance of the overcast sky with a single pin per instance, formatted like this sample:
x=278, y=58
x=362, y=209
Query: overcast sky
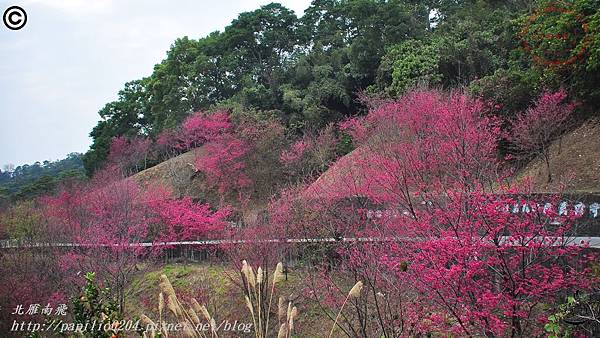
x=73, y=56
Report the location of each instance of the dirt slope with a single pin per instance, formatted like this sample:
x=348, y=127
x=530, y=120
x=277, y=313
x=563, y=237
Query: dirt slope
x=575, y=160
x=176, y=173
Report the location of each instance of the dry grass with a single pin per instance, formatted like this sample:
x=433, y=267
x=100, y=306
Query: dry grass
x=188, y=317
x=258, y=292
x=353, y=293
x=195, y=319
x=177, y=174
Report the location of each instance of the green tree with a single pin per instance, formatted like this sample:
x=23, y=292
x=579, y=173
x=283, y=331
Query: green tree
x=128, y=115
x=95, y=305
x=183, y=83
x=409, y=64
x=29, y=181
x=22, y=221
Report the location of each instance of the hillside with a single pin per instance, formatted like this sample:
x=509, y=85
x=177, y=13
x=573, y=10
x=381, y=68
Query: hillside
x=348, y=155
x=32, y=180
x=574, y=161
x=176, y=174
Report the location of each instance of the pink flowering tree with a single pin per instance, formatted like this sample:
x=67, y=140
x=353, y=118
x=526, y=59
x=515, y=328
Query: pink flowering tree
x=244, y=164
x=533, y=130
x=196, y=130
x=109, y=219
x=30, y=276
x=295, y=152
x=488, y=265
x=312, y=154
x=185, y=220
x=166, y=144
x=129, y=155
x=103, y=220
x=200, y=128
x=448, y=234
x=223, y=164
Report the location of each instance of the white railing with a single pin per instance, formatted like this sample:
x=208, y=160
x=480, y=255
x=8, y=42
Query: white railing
x=591, y=242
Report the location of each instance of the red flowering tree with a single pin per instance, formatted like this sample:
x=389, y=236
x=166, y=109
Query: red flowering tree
x=244, y=163
x=166, y=145
x=223, y=164
x=296, y=151
x=533, y=130
x=200, y=128
x=186, y=220
x=29, y=276
x=485, y=269
x=312, y=154
x=103, y=220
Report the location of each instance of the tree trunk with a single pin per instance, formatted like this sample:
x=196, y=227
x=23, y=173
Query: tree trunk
x=547, y=159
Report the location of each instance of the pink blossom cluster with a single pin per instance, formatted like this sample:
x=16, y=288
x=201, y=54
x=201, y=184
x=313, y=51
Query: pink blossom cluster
x=196, y=130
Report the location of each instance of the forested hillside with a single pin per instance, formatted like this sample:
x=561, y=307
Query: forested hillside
x=312, y=70
x=29, y=181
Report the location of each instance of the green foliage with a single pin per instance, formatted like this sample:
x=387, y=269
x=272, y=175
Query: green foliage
x=22, y=221
x=39, y=187
x=126, y=116
x=477, y=41
x=345, y=144
x=94, y=304
x=4, y=198
x=512, y=90
x=555, y=34
x=307, y=69
x=593, y=61
x=410, y=64
x=575, y=317
x=561, y=38
x=469, y=43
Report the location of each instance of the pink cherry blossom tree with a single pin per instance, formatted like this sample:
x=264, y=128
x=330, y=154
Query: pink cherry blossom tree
x=200, y=128
x=129, y=155
x=111, y=216
x=223, y=164
x=533, y=130
x=311, y=154
x=196, y=130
